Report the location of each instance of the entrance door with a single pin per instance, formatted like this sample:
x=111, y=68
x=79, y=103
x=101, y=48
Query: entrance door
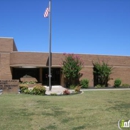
x=55, y=79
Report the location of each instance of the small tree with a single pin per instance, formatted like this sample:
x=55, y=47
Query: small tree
x=71, y=69
x=102, y=72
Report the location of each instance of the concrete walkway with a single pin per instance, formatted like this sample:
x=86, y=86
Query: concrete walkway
x=58, y=89
x=104, y=89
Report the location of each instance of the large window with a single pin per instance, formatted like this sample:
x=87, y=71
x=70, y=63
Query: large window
x=17, y=73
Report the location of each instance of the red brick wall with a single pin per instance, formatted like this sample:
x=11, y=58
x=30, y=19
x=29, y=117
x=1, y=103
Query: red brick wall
x=122, y=73
x=111, y=60
x=41, y=59
x=35, y=58
x=28, y=59
x=5, y=71
x=6, y=44
x=88, y=74
x=121, y=64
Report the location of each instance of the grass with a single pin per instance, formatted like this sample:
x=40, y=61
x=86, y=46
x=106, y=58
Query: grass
x=92, y=110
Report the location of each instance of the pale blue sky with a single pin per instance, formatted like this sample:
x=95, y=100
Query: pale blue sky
x=78, y=26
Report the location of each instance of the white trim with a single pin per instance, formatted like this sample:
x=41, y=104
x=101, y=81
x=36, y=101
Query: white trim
x=7, y=37
x=77, y=54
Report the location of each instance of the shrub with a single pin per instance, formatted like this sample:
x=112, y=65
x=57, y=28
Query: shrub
x=84, y=83
x=39, y=90
x=77, y=88
x=72, y=86
x=66, y=92
x=22, y=88
x=32, y=82
x=117, y=83
x=27, y=91
x=29, y=82
x=100, y=86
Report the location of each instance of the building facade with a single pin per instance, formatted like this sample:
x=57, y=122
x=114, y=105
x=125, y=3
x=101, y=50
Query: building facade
x=15, y=64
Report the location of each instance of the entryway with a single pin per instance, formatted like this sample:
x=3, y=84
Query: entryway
x=55, y=79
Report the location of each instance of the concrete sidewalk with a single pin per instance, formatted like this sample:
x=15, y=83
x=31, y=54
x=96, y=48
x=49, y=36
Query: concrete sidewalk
x=58, y=89
x=104, y=89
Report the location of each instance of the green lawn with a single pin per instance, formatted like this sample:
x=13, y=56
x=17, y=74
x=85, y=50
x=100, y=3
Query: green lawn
x=92, y=110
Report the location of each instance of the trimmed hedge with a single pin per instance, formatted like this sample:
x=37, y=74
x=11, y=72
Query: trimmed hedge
x=117, y=83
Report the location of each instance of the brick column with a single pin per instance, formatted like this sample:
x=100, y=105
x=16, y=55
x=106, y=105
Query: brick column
x=62, y=80
x=40, y=75
x=5, y=70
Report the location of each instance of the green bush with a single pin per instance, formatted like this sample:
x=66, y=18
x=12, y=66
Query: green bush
x=84, y=83
x=125, y=85
x=117, y=83
x=23, y=87
x=100, y=86
x=27, y=91
x=72, y=86
x=29, y=82
x=39, y=90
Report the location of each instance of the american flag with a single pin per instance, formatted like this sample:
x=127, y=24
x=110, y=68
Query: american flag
x=46, y=13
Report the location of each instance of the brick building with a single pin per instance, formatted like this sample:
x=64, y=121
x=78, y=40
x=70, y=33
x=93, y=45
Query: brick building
x=15, y=64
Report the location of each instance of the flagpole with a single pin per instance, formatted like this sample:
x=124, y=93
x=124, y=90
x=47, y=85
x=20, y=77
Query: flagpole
x=50, y=87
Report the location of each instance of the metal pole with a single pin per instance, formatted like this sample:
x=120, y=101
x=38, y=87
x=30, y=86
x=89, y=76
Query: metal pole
x=50, y=87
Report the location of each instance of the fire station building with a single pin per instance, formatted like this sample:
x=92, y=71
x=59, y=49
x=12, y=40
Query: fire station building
x=15, y=64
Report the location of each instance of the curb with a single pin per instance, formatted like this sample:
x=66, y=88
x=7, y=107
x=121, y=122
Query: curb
x=105, y=89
